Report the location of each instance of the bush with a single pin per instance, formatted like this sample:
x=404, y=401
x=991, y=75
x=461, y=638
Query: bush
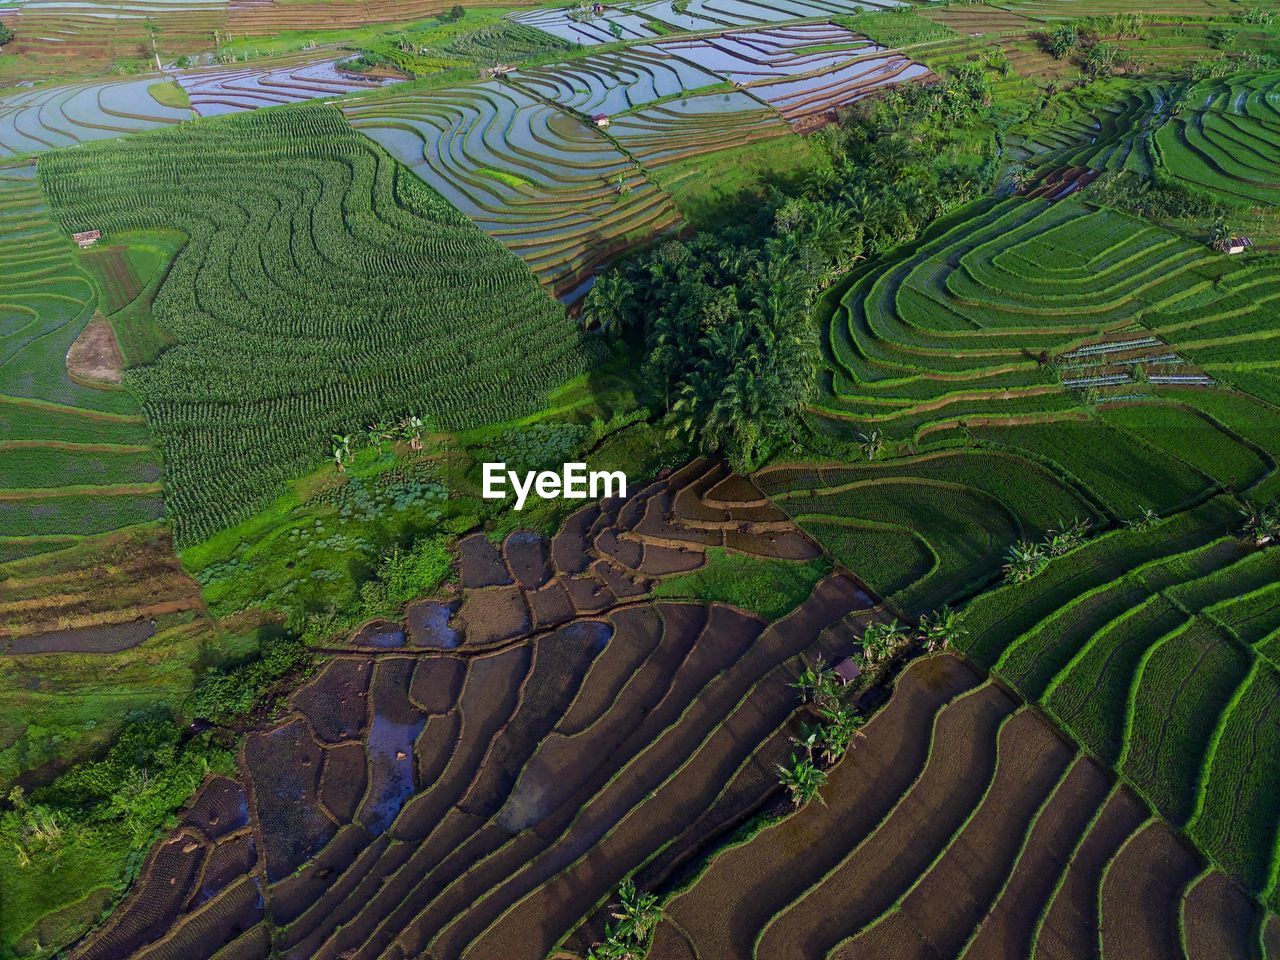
x=222, y=696
x=407, y=576
x=5, y=34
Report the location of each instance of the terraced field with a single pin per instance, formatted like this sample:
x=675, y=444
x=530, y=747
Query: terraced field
x=248, y=88
x=77, y=36
x=1228, y=143
x=927, y=530
x=805, y=71
x=74, y=459
x=721, y=14
x=259, y=380
x=613, y=83
x=619, y=735
x=589, y=29
x=1157, y=654
x=547, y=184
x=981, y=319
x=58, y=116
x=962, y=825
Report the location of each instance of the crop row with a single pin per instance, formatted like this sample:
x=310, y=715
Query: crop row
x=480, y=799
x=73, y=460
x=964, y=823
x=323, y=288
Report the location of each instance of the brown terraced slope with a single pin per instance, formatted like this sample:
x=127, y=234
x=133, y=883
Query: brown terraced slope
x=475, y=780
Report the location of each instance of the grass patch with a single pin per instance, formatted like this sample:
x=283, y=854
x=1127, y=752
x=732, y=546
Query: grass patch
x=896, y=28
x=733, y=187
x=169, y=93
x=768, y=587
x=510, y=179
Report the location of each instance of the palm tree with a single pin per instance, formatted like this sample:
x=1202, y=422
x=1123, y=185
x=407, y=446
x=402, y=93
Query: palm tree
x=811, y=679
x=940, y=629
x=410, y=429
x=802, y=779
x=880, y=639
x=811, y=734
x=1023, y=561
x=1220, y=235
x=1068, y=537
x=1145, y=521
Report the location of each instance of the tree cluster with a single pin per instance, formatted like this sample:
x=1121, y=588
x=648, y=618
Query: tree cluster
x=724, y=319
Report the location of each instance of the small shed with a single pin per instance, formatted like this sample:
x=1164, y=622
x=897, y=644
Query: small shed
x=601, y=120
x=86, y=238
x=498, y=71
x=597, y=8
x=847, y=670
x=1238, y=244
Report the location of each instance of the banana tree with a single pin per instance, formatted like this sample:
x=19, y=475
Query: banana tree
x=803, y=780
x=940, y=629
x=1023, y=561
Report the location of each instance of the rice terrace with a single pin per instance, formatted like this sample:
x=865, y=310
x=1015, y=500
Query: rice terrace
x=930, y=350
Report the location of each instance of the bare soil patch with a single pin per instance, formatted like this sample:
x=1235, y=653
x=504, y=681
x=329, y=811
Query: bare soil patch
x=95, y=358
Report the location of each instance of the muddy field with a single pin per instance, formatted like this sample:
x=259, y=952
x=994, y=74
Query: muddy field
x=475, y=780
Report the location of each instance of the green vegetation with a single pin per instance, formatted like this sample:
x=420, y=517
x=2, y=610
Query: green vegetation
x=362, y=267
x=75, y=460
x=896, y=27
x=768, y=587
x=169, y=93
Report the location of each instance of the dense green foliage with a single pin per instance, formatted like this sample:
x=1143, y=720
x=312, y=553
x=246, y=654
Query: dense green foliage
x=724, y=318
x=323, y=288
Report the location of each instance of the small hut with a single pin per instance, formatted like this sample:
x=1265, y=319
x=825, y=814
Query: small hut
x=86, y=238
x=1238, y=244
x=601, y=120
x=847, y=671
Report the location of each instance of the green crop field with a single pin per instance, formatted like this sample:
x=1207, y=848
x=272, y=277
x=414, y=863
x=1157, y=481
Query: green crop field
x=353, y=303
x=938, y=344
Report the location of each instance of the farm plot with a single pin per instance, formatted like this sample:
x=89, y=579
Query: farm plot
x=547, y=184
x=58, y=116
x=806, y=70
x=231, y=91
x=961, y=825
x=1228, y=141
x=961, y=325
x=1121, y=643
x=692, y=126
x=74, y=460
x=79, y=35
x=719, y=14
x=612, y=83
x=298, y=306
x=588, y=28
x=479, y=795
x=924, y=531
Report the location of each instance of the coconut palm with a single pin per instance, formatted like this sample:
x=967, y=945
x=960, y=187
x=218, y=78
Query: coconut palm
x=803, y=780
x=940, y=629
